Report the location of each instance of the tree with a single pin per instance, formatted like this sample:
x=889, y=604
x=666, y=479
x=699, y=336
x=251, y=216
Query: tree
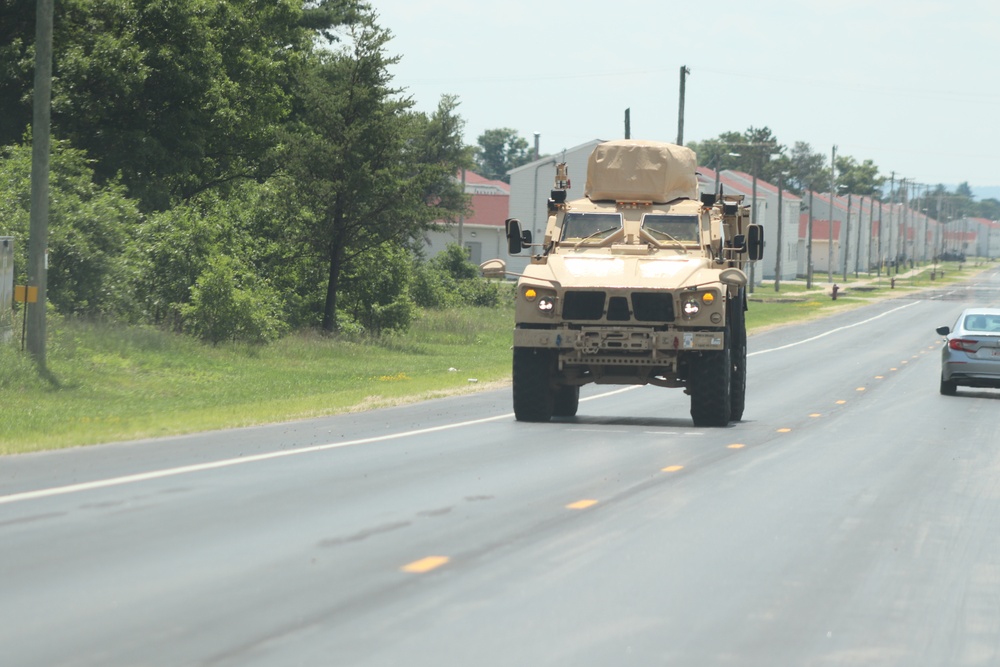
x=749, y=152
x=501, y=150
x=176, y=96
x=807, y=169
x=88, y=226
x=358, y=158
x=859, y=179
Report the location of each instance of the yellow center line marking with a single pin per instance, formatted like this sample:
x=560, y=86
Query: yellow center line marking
x=860, y=389
x=841, y=402
x=737, y=446
x=879, y=377
x=581, y=504
x=892, y=369
x=672, y=468
x=784, y=430
x=425, y=564
x=815, y=414
x=904, y=361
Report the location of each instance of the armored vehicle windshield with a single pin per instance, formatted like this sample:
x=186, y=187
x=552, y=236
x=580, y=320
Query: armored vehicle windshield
x=586, y=226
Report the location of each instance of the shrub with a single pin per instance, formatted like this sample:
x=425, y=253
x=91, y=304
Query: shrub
x=229, y=303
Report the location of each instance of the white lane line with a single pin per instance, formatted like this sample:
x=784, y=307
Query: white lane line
x=831, y=331
x=228, y=463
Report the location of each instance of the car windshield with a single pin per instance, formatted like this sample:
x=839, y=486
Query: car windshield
x=585, y=226
x=982, y=322
x=680, y=228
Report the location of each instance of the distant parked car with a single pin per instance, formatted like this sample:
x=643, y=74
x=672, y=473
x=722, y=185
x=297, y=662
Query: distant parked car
x=971, y=353
x=951, y=256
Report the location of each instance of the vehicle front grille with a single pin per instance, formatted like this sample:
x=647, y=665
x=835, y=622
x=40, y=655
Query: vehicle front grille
x=653, y=306
x=645, y=307
x=583, y=305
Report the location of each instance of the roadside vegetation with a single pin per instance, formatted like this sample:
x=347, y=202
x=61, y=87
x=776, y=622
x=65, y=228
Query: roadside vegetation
x=110, y=382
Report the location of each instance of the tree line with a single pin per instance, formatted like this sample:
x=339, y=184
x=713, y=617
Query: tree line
x=800, y=169
x=234, y=169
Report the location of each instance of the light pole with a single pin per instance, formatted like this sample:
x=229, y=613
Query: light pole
x=777, y=255
x=809, y=243
x=833, y=193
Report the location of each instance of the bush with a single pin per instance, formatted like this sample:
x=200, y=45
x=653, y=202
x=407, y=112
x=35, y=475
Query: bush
x=375, y=292
x=229, y=304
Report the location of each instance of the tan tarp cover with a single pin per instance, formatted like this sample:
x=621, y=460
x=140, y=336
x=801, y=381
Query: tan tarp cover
x=632, y=170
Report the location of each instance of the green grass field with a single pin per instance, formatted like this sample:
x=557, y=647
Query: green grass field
x=109, y=383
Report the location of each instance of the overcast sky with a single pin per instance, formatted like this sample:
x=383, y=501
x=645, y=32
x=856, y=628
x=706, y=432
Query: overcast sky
x=909, y=84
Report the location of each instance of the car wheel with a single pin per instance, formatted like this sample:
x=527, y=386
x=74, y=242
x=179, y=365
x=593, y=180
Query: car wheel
x=948, y=387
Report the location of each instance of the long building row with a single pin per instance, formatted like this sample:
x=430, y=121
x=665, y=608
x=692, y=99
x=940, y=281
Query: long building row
x=846, y=234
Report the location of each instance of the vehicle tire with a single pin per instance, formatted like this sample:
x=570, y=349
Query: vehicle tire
x=567, y=401
x=534, y=396
x=948, y=387
x=710, y=384
x=738, y=329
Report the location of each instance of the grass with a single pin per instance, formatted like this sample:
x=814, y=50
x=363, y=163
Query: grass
x=108, y=383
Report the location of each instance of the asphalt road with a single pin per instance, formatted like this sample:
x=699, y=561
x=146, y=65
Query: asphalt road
x=851, y=519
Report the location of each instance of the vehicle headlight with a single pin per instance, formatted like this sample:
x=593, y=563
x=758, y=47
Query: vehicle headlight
x=695, y=303
x=543, y=299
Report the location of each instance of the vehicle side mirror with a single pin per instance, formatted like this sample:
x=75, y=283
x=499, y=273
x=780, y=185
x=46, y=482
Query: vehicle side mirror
x=733, y=277
x=515, y=237
x=755, y=242
x=944, y=331
x=494, y=268
x=740, y=242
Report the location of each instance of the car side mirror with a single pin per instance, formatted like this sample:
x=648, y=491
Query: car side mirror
x=755, y=242
x=740, y=242
x=944, y=331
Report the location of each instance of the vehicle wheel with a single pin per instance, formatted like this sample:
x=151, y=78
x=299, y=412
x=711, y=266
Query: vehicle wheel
x=738, y=383
x=534, y=398
x=567, y=401
x=710, y=384
x=948, y=387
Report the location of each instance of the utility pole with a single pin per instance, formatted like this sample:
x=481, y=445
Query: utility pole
x=753, y=216
x=809, y=243
x=38, y=240
x=857, y=246
x=871, y=227
x=847, y=236
x=833, y=193
x=892, y=207
x=777, y=255
x=680, y=111
x=461, y=215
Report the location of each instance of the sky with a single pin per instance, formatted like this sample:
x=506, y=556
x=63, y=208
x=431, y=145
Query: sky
x=910, y=84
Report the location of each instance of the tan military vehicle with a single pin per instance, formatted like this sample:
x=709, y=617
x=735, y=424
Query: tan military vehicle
x=640, y=282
